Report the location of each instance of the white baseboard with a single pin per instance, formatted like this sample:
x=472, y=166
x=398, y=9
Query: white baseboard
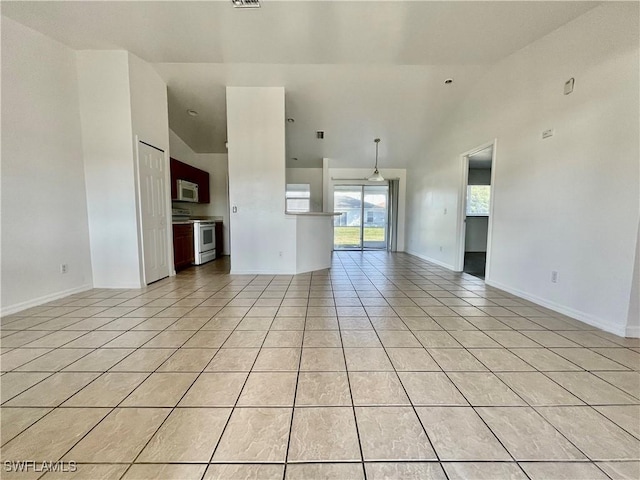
x=258, y=272
x=18, y=307
x=633, y=332
x=431, y=260
x=122, y=286
x=568, y=311
x=556, y=307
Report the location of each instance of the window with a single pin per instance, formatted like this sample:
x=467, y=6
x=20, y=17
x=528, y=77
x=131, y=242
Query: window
x=298, y=197
x=478, y=197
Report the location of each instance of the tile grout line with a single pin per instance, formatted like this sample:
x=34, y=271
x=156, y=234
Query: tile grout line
x=295, y=392
x=119, y=403
x=413, y=408
x=527, y=403
x=490, y=429
x=482, y=419
x=224, y=428
x=172, y=409
x=395, y=276
x=353, y=406
x=103, y=418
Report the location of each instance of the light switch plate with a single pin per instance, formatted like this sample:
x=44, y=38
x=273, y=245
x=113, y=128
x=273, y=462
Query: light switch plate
x=568, y=86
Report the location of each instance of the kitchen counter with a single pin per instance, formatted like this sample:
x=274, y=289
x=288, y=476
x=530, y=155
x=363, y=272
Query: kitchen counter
x=196, y=219
x=315, y=214
x=205, y=218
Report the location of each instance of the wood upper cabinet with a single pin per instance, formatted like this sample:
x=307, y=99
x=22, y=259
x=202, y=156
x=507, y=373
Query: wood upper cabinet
x=183, y=171
x=177, y=172
x=203, y=186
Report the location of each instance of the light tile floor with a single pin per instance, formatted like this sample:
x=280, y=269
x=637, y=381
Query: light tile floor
x=385, y=366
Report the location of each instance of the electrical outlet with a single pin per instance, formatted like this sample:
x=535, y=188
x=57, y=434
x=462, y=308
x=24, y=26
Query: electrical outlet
x=64, y=268
x=554, y=277
x=280, y=254
x=445, y=211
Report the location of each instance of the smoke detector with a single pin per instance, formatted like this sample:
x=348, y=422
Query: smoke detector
x=246, y=3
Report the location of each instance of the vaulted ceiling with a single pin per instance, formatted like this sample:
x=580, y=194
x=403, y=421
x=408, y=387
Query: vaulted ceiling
x=356, y=70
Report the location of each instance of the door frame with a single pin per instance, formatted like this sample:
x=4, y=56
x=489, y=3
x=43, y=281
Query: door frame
x=138, y=195
x=461, y=227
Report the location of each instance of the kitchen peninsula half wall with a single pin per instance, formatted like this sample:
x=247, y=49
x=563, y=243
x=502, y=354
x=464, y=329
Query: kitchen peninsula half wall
x=314, y=240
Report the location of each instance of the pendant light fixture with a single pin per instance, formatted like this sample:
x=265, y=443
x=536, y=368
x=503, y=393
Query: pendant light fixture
x=376, y=177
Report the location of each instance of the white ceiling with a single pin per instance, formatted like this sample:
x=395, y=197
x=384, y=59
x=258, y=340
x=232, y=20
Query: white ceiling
x=357, y=70
x=352, y=104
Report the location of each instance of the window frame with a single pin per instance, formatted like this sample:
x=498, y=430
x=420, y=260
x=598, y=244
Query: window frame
x=468, y=203
x=297, y=195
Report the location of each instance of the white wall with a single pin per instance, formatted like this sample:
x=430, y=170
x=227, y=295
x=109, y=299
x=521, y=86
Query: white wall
x=475, y=234
x=568, y=203
x=312, y=176
x=150, y=124
x=149, y=112
x=334, y=174
x=263, y=238
x=218, y=167
x=105, y=110
x=44, y=212
x=121, y=99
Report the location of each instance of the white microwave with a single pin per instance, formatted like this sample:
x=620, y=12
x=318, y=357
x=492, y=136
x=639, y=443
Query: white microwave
x=187, y=191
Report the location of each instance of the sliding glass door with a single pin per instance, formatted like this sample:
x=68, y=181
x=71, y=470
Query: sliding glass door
x=347, y=228
x=363, y=223
x=375, y=218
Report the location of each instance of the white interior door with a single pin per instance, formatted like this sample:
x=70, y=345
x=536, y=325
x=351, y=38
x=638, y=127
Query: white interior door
x=153, y=208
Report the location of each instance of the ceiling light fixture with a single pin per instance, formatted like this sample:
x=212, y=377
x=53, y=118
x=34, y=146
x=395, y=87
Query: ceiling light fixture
x=376, y=177
x=193, y=113
x=246, y=3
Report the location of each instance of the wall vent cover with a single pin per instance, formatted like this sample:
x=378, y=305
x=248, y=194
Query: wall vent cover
x=246, y=3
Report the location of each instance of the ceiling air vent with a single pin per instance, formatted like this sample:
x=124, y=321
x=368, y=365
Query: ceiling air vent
x=246, y=3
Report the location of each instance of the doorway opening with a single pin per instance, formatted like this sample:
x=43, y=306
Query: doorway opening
x=476, y=211
x=364, y=223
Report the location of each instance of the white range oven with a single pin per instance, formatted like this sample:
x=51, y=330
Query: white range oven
x=204, y=241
